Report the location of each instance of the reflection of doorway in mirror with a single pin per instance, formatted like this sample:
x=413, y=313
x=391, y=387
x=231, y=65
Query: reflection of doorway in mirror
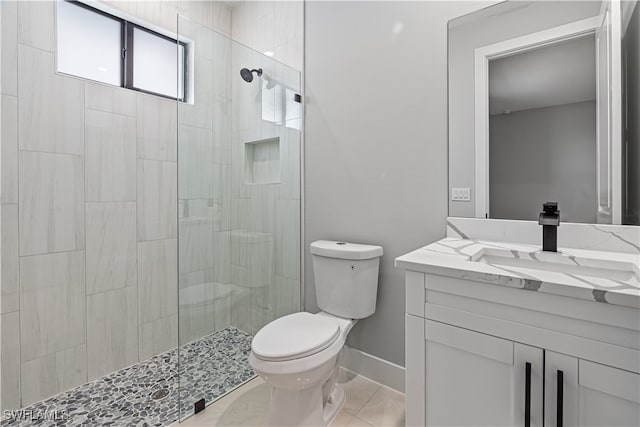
x=543, y=130
x=631, y=112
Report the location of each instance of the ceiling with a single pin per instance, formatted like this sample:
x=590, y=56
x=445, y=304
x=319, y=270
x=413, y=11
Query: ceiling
x=562, y=73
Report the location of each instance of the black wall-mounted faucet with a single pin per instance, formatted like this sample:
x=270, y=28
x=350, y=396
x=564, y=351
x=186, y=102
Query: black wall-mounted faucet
x=550, y=221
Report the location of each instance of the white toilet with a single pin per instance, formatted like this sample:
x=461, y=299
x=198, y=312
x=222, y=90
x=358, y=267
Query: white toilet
x=299, y=354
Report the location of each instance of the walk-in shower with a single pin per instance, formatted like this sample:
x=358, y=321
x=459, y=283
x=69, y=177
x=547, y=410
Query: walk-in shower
x=173, y=228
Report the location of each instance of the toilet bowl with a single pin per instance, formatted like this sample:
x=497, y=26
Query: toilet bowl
x=299, y=354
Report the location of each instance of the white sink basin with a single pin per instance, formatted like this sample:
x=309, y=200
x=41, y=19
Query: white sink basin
x=527, y=261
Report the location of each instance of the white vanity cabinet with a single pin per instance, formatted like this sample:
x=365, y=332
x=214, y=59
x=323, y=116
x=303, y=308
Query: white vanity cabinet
x=592, y=394
x=478, y=379
x=481, y=354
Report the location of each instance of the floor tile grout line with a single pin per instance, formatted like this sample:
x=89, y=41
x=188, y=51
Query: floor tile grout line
x=372, y=396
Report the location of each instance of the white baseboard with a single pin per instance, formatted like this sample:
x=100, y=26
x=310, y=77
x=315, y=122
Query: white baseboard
x=374, y=368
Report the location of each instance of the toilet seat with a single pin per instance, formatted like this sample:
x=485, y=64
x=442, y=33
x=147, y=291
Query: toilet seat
x=295, y=336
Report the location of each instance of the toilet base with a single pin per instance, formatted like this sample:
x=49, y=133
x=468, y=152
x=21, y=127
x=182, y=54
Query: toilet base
x=304, y=407
x=334, y=404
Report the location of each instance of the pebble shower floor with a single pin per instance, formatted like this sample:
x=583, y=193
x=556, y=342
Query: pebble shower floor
x=210, y=367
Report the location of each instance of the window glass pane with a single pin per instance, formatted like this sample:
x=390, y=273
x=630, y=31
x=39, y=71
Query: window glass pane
x=155, y=65
x=89, y=44
x=181, y=67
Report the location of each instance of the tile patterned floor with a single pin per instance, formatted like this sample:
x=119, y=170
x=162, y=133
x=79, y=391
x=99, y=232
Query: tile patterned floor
x=211, y=367
x=368, y=404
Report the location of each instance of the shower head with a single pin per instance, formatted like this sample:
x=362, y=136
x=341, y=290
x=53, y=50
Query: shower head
x=247, y=75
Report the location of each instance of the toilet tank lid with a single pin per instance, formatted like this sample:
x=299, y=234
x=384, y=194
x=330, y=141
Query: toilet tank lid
x=345, y=250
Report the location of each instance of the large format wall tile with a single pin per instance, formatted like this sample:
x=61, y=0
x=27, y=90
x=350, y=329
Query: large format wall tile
x=52, y=304
x=51, y=203
x=161, y=13
x=53, y=373
x=110, y=156
x=112, y=338
x=157, y=128
x=222, y=17
x=286, y=296
x=290, y=165
x=158, y=336
x=9, y=47
x=9, y=149
x=263, y=208
x=157, y=279
x=241, y=214
x=157, y=200
x=10, y=360
x=196, y=317
x=277, y=26
x=196, y=172
x=212, y=14
x=111, y=246
x=222, y=196
x=222, y=76
x=130, y=7
x=10, y=297
x=51, y=107
x=241, y=309
x=196, y=244
x=200, y=112
x=36, y=24
x=288, y=238
x=109, y=99
x=206, y=13
x=239, y=189
x=222, y=257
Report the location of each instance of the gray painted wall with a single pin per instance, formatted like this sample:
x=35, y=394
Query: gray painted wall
x=376, y=141
x=631, y=48
x=469, y=34
x=544, y=154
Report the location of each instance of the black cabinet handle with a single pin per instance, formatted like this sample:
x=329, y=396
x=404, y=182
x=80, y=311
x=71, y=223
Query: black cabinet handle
x=527, y=395
x=560, y=399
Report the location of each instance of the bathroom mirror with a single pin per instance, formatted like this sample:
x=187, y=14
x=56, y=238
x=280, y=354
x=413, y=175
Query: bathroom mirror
x=543, y=105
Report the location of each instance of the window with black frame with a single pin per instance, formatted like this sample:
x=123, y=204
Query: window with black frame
x=95, y=45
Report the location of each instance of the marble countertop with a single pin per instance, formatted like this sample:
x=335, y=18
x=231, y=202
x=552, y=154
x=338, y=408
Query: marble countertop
x=527, y=267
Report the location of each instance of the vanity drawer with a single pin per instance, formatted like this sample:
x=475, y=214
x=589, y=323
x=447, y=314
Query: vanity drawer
x=590, y=330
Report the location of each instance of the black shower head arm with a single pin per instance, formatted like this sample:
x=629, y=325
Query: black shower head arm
x=247, y=75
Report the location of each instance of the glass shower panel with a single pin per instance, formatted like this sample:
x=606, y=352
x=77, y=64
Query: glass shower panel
x=238, y=209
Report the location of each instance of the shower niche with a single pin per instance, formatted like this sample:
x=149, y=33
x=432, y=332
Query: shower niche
x=262, y=161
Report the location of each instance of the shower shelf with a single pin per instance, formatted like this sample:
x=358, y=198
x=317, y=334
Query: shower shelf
x=262, y=161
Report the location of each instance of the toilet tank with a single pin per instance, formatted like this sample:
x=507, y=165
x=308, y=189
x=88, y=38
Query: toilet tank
x=346, y=277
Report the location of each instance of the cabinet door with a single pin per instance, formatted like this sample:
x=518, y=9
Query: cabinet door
x=561, y=390
x=583, y=393
x=607, y=396
x=473, y=379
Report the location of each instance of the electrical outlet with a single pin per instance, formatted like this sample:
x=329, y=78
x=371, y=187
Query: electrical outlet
x=461, y=194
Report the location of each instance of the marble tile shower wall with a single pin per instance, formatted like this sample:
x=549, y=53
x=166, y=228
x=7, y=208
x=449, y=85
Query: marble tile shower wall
x=88, y=201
